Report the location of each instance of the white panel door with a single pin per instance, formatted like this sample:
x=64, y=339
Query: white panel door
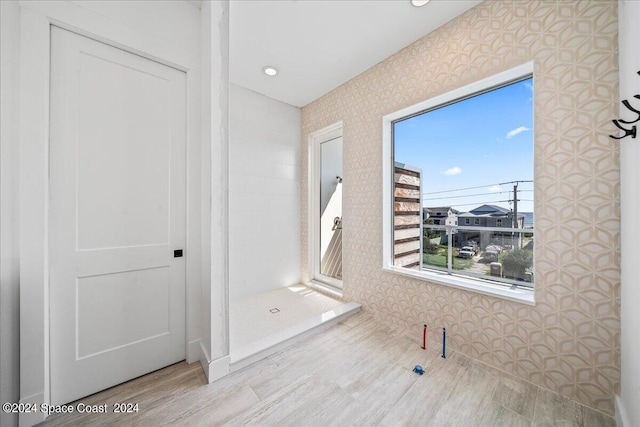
x=117, y=212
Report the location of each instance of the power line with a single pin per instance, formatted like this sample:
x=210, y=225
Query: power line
x=459, y=189
x=488, y=202
x=475, y=195
x=482, y=203
x=474, y=188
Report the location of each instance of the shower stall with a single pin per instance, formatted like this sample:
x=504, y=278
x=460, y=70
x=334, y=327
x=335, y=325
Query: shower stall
x=269, y=308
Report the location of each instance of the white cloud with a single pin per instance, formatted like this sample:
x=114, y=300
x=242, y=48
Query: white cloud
x=453, y=171
x=516, y=131
x=495, y=189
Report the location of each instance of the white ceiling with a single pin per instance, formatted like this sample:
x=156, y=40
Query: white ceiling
x=320, y=44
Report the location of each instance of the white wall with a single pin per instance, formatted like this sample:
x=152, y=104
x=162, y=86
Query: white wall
x=170, y=32
x=215, y=178
x=628, y=404
x=9, y=299
x=264, y=194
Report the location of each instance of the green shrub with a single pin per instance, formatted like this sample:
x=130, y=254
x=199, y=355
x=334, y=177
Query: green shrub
x=428, y=247
x=517, y=262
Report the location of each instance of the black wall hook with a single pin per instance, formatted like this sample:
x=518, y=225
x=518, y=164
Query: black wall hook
x=627, y=132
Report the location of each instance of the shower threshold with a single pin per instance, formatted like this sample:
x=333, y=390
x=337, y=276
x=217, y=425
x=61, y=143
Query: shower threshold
x=263, y=324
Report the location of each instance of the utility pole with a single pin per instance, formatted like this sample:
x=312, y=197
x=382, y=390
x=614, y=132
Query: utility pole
x=515, y=205
x=516, y=239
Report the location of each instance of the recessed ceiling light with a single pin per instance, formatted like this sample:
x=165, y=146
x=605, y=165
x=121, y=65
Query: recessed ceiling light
x=418, y=3
x=270, y=70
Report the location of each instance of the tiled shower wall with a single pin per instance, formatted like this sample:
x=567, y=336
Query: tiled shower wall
x=264, y=198
x=568, y=342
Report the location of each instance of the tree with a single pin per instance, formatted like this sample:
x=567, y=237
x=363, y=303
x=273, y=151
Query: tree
x=517, y=262
x=428, y=247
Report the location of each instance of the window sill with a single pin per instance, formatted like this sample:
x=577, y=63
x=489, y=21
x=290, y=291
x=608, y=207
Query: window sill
x=519, y=295
x=323, y=287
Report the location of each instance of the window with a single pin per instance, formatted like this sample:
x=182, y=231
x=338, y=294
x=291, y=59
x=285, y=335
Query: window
x=465, y=153
x=325, y=207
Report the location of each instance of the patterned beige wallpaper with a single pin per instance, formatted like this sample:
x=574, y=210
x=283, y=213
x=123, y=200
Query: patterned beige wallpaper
x=568, y=342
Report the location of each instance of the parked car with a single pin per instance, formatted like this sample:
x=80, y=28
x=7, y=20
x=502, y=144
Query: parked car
x=470, y=249
x=466, y=252
x=490, y=255
x=473, y=245
x=494, y=248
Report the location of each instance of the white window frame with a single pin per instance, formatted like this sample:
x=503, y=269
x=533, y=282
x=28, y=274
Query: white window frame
x=317, y=279
x=513, y=293
x=467, y=221
x=476, y=221
x=499, y=222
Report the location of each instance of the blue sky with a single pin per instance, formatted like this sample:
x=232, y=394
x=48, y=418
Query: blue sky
x=481, y=141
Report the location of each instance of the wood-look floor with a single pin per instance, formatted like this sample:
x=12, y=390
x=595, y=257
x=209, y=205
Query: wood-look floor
x=358, y=372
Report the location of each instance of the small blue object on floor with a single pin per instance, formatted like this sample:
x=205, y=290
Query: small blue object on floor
x=418, y=370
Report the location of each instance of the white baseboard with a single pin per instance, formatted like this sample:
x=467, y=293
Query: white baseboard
x=218, y=368
x=29, y=419
x=622, y=419
x=213, y=369
x=204, y=359
x=194, y=351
